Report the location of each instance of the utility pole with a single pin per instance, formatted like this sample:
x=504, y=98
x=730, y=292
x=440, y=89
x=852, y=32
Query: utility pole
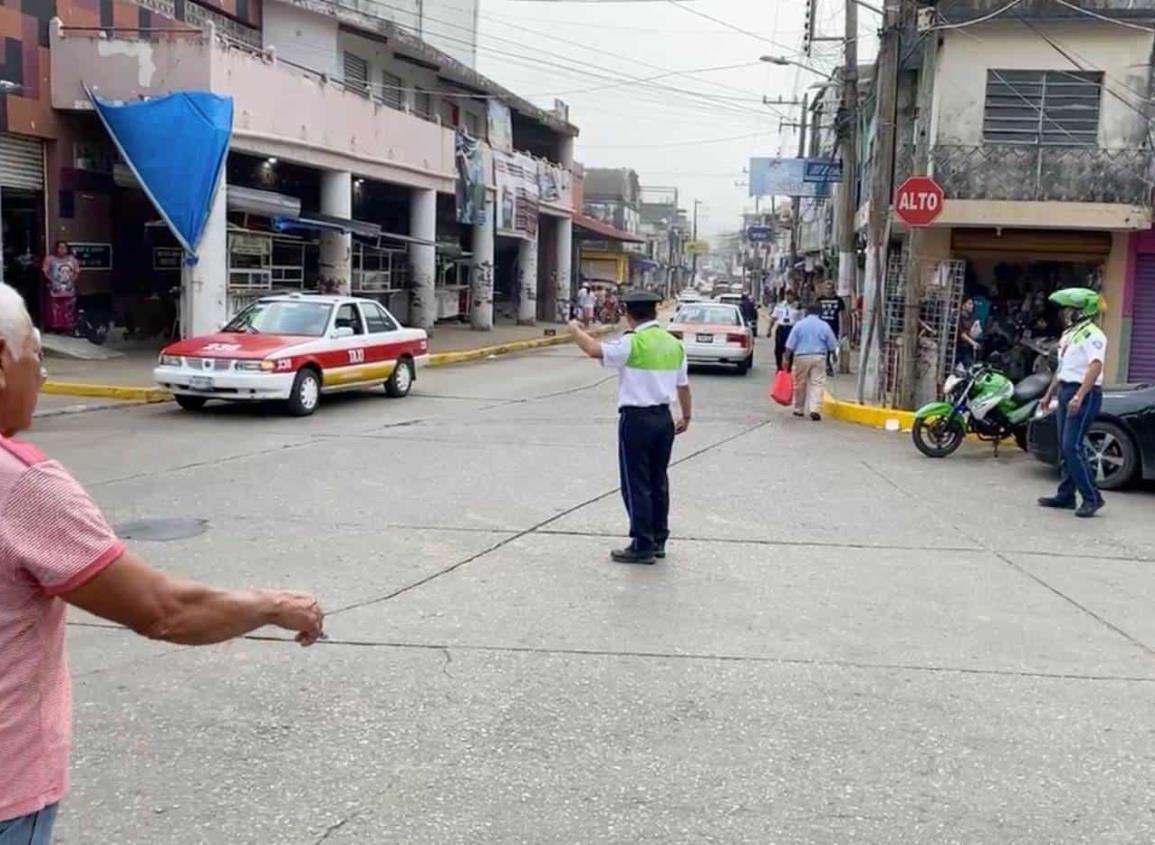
x=796, y=202
x=882, y=180
x=848, y=137
x=916, y=237
x=694, y=257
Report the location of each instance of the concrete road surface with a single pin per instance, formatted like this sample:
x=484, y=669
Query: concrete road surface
x=848, y=642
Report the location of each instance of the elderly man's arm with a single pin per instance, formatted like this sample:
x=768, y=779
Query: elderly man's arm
x=130, y=592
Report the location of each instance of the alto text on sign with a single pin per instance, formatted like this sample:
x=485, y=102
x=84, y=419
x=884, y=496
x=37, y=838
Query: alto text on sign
x=918, y=201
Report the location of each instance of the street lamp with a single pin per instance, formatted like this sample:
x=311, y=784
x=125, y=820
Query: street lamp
x=782, y=61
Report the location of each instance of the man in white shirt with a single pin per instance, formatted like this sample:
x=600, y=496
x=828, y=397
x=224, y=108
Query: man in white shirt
x=1078, y=386
x=652, y=374
x=782, y=319
x=585, y=301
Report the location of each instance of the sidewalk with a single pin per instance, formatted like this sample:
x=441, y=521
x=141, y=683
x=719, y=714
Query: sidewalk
x=129, y=377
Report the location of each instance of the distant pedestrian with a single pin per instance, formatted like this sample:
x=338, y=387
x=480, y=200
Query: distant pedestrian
x=57, y=549
x=61, y=271
x=785, y=314
x=749, y=309
x=831, y=307
x=652, y=375
x=810, y=341
x=1078, y=387
x=585, y=301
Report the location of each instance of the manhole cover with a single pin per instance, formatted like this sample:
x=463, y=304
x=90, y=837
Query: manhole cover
x=161, y=529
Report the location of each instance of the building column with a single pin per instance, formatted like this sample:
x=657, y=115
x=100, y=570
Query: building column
x=481, y=271
x=205, y=285
x=423, y=258
x=527, y=282
x=336, y=264
x=564, y=274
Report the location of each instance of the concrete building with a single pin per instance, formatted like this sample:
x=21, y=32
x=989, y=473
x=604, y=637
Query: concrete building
x=612, y=197
x=341, y=171
x=666, y=229
x=1036, y=126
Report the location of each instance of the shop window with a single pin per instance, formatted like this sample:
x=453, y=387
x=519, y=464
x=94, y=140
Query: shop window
x=1042, y=107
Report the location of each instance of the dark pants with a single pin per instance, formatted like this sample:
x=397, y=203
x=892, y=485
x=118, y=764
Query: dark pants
x=33, y=829
x=1075, y=472
x=645, y=440
x=781, y=333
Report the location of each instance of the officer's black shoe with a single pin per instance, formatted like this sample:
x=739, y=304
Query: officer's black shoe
x=660, y=551
x=816, y=417
x=1056, y=502
x=631, y=555
x=1089, y=509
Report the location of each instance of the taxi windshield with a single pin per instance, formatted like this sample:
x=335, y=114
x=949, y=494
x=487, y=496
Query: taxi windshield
x=305, y=319
x=718, y=315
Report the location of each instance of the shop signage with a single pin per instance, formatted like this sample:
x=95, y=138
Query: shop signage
x=759, y=234
x=518, y=194
x=793, y=177
x=93, y=256
x=918, y=201
x=166, y=257
x=499, y=122
x=697, y=247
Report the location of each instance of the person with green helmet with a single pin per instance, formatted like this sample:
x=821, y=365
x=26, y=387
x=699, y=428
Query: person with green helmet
x=1078, y=387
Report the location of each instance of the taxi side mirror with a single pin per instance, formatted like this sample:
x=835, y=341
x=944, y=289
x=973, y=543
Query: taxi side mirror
x=342, y=331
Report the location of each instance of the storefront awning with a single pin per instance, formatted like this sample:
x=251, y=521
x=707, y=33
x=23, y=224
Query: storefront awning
x=604, y=231
x=175, y=146
x=325, y=222
x=642, y=262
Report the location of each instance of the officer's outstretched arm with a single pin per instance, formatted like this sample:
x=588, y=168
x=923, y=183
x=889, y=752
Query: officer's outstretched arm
x=589, y=345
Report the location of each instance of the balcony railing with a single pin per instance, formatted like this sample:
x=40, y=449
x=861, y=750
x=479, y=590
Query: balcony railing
x=1022, y=173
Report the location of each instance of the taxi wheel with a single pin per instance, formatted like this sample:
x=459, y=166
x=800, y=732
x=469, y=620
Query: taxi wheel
x=401, y=381
x=190, y=403
x=306, y=394
x=746, y=365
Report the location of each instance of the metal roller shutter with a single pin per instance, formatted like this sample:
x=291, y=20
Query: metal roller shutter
x=1141, y=362
x=21, y=162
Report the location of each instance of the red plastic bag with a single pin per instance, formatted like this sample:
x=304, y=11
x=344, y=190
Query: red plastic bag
x=782, y=388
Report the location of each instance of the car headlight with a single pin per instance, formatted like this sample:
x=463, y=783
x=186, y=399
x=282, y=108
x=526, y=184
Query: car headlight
x=170, y=360
x=255, y=366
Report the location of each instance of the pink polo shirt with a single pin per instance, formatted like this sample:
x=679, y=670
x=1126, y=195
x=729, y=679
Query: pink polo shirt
x=53, y=538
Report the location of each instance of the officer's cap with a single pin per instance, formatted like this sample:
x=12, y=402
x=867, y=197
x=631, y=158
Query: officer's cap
x=641, y=297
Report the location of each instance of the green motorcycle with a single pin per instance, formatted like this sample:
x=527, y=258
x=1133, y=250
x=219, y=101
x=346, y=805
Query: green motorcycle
x=981, y=401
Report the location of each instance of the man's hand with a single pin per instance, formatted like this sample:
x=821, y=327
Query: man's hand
x=298, y=612
x=681, y=425
x=1075, y=404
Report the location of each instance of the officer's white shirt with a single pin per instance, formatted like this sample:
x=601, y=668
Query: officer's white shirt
x=642, y=388
x=1076, y=357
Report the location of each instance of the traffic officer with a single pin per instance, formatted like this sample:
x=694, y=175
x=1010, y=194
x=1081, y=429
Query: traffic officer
x=1078, y=387
x=652, y=373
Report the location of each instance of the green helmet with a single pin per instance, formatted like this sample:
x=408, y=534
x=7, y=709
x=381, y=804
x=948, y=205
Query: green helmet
x=1084, y=301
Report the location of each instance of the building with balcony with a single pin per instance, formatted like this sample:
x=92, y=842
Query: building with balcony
x=342, y=168
x=1036, y=125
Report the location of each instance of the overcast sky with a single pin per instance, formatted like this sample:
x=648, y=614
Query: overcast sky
x=586, y=53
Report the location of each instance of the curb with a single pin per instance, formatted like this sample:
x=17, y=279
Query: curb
x=437, y=359
x=871, y=415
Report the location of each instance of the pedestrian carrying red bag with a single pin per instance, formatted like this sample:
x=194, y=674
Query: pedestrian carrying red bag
x=782, y=388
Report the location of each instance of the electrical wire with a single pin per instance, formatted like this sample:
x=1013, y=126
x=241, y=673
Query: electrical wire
x=681, y=5
x=1092, y=13
x=693, y=143
x=983, y=19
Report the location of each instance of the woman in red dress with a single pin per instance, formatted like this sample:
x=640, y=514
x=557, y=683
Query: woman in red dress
x=60, y=271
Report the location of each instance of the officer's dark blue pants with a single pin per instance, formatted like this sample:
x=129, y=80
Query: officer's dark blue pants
x=1075, y=472
x=645, y=440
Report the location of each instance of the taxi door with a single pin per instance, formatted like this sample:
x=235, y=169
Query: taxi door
x=383, y=345
x=346, y=362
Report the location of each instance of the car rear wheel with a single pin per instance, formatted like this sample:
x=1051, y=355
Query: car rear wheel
x=401, y=380
x=1111, y=454
x=190, y=403
x=306, y=394
x=746, y=365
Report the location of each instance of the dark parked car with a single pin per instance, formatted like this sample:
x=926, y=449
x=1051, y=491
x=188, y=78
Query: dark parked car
x=1121, y=442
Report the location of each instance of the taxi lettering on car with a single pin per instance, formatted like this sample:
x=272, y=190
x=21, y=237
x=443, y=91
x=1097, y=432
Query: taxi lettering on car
x=294, y=349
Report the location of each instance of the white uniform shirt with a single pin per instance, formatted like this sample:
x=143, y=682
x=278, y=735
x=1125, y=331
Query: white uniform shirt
x=786, y=314
x=1078, y=347
x=639, y=388
x=585, y=299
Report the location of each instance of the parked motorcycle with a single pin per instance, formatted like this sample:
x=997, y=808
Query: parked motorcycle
x=982, y=401
x=91, y=325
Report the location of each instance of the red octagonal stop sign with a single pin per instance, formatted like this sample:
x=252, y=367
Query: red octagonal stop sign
x=918, y=201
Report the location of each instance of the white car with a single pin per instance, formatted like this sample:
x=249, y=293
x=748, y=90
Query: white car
x=714, y=333
x=295, y=348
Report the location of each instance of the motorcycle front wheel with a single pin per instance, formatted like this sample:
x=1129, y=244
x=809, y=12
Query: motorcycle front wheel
x=937, y=437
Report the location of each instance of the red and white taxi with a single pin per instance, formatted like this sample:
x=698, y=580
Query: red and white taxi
x=295, y=348
x=714, y=333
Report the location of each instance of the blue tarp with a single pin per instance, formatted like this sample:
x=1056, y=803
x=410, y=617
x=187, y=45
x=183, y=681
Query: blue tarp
x=176, y=146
